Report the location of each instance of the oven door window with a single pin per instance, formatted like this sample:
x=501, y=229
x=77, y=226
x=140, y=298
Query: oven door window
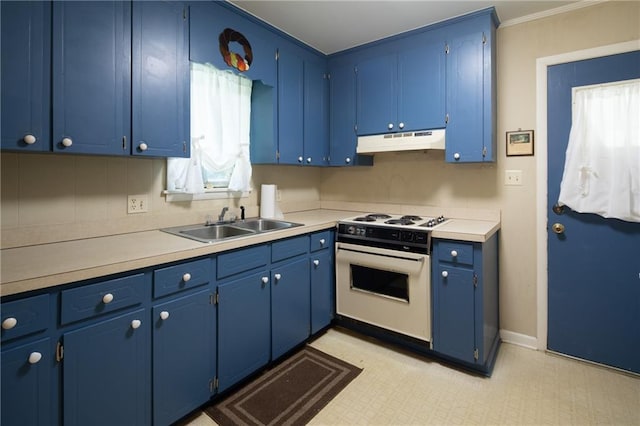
x=384, y=283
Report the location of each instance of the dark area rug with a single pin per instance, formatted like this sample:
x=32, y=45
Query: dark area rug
x=291, y=393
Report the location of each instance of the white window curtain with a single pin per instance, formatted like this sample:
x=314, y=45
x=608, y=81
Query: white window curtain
x=220, y=123
x=602, y=166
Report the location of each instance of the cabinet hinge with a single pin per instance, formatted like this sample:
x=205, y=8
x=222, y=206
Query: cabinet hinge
x=184, y=13
x=446, y=118
x=277, y=54
x=446, y=49
x=475, y=280
x=484, y=39
x=124, y=143
x=328, y=76
x=476, y=354
x=214, y=298
x=213, y=385
x=59, y=352
x=277, y=155
x=484, y=151
x=355, y=70
x=184, y=146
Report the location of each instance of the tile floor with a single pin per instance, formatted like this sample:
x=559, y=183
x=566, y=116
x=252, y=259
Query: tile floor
x=527, y=388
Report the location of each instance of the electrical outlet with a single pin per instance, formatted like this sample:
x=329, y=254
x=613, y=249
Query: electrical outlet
x=513, y=177
x=137, y=204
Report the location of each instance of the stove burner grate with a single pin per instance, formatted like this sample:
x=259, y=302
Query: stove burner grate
x=376, y=216
x=365, y=219
x=411, y=217
x=401, y=221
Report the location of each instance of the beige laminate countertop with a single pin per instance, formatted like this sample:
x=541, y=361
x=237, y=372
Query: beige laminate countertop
x=36, y=267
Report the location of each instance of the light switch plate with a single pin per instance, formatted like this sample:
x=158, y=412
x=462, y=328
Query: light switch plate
x=513, y=177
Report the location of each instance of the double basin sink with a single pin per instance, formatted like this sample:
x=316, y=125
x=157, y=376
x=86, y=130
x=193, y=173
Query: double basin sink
x=215, y=232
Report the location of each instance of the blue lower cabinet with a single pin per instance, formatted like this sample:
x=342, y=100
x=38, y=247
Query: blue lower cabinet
x=243, y=327
x=322, y=290
x=290, y=306
x=184, y=355
x=26, y=384
x=107, y=373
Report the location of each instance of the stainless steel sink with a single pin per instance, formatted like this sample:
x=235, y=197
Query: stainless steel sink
x=224, y=231
x=264, y=225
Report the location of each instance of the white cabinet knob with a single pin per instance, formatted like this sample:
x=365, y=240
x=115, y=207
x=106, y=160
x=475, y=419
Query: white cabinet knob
x=35, y=357
x=135, y=324
x=9, y=323
x=347, y=160
x=277, y=277
x=454, y=253
x=265, y=280
x=164, y=315
x=308, y=160
x=322, y=241
x=300, y=159
x=107, y=298
x=67, y=142
x=445, y=274
x=143, y=146
x=29, y=139
x=390, y=126
x=456, y=156
x=401, y=125
x=316, y=262
x=186, y=277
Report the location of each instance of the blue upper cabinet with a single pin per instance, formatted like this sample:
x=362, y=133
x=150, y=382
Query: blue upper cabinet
x=160, y=101
x=91, y=77
x=25, y=73
x=471, y=90
x=400, y=85
x=229, y=41
x=316, y=113
x=290, y=107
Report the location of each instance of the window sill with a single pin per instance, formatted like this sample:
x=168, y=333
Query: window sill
x=209, y=194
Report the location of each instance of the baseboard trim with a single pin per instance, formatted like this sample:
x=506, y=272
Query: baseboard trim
x=519, y=339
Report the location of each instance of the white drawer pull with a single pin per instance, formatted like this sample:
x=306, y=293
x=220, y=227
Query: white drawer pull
x=277, y=277
x=265, y=280
x=186, y=277
x=454, y=253
x=107, y=298
x=164, y=315
x=9, y=323
x=445, y=274
x=35, y=357
x=143, y=146
x=322, y=241
x=135, y=324
x=29, y=139
x=67, y=142
x=316, y=262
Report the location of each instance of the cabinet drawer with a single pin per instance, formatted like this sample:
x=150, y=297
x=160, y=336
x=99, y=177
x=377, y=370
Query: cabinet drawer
x=25, y=316
x=181, y=277
x=242, y=260
x=291, y=247
x=460, y=253
x=321, y=240
x=97, y=299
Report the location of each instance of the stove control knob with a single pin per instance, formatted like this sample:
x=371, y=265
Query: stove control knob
x=351, y=230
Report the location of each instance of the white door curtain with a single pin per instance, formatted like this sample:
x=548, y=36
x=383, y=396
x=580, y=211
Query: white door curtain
x=602, y=166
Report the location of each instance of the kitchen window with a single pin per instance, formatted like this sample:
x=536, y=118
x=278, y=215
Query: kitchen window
x=220, y=123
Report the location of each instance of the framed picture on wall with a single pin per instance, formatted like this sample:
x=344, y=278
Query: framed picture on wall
x=520, y=143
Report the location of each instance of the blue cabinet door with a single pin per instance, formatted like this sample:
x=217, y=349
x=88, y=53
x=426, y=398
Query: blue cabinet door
x=290, y=306
x=243, y=327
x=184, y=355
x=376, y=102
x=25, y=74
x=290, y=107
x=316, y=113
x=26, y=384
x=160, y=80
x=342, y=119
x=106, y=372
x=322, y=290
x=454, y=320
x=421, y=83
x=91, y=77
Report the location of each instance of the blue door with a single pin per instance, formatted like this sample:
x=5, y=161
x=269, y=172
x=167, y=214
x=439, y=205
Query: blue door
x=593, y=275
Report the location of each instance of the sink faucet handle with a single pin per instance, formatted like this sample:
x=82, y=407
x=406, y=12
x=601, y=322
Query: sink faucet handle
x=241, y=212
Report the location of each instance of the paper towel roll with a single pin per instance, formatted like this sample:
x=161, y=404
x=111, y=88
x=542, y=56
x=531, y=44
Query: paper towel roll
x=268, y=201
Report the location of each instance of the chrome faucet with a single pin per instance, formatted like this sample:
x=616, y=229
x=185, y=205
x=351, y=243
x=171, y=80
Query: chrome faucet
x=221, y=216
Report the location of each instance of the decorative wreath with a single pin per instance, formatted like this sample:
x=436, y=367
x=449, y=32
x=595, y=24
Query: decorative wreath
x=231, y=58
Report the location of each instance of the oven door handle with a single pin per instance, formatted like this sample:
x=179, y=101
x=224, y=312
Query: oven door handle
x=387, y=253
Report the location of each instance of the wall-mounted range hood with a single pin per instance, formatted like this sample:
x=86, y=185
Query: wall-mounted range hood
x=401, y=141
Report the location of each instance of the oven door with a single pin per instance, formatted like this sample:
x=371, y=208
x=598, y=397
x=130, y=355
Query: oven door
x=386, y=288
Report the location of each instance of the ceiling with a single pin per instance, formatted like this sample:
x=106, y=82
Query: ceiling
x=331, y=26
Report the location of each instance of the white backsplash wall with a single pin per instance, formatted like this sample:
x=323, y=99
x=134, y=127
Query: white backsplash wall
x=50, y=197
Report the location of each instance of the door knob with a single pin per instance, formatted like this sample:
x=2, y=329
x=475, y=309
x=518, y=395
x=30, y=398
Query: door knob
x=558, y=228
